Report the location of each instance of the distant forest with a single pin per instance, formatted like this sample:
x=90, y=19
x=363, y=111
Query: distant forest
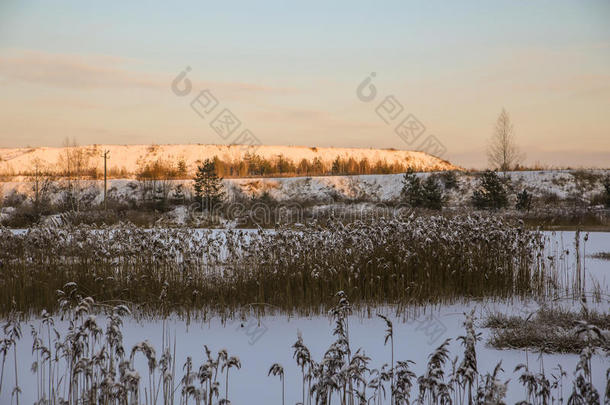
x=76, y=164
x=257, y=166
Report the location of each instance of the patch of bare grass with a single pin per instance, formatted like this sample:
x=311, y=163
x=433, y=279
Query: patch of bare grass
x=601, y=255
x=549, y=330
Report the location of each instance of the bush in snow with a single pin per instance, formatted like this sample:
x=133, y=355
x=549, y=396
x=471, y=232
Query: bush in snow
x=524, y=201
x=607, y=190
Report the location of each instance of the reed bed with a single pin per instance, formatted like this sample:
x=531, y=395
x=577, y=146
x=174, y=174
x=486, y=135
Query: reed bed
x=90, y=365
x=387, y=261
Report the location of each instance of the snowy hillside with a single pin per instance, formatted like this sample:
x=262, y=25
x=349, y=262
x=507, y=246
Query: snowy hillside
x=562, y=185
x=128, y=157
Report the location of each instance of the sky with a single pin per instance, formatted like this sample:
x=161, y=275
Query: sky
x=102, y=73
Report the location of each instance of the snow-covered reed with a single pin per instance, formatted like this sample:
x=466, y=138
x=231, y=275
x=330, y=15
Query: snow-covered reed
x=415, y=259
x=346, y=375
x=89, y=364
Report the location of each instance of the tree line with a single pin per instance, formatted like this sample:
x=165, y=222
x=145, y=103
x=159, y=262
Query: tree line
x=258, y=166
x=78, y=163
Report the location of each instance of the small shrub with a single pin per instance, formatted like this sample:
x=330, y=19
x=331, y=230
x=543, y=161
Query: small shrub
x=601, y=256
x=586, y=179
x=598, y=199
x=558, y=181
x=14, y=199
x=607, y=190
x=548, y=329
x=550, y=198
x=524, y=201
x=21, y=217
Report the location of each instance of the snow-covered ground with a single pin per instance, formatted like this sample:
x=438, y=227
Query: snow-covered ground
x=415, y=339
x=327, y=189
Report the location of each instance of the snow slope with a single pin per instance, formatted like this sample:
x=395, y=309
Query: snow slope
x=381, y=188
x=128, y=156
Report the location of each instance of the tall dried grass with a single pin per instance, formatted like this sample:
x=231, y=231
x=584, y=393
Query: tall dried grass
x=89, y=364
x=397, y=261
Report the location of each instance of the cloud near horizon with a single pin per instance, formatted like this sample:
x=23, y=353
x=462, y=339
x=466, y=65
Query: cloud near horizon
x=102, y=72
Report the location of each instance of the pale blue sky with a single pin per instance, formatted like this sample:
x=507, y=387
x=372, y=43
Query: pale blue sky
x=453, y=64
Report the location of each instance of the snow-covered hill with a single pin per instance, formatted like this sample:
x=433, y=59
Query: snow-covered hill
x=128, y=157
x=553, y=185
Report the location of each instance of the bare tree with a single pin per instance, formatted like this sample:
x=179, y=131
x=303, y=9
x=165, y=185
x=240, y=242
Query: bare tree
x=41, y=183
x=74, y=167
x=503, y=152
x=155, y=179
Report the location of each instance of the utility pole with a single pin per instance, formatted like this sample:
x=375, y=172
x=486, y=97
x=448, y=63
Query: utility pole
x=105, y=156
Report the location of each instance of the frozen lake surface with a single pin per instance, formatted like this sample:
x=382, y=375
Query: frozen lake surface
x=259, y=348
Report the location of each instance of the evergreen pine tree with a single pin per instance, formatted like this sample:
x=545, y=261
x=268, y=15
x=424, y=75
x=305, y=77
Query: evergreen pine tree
x=181, y=169
x=209, y=190
x=490, y=193
x=418, y=193
x=449, y=179
x=336, y=168
x=412, y=188
x=432, y=194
